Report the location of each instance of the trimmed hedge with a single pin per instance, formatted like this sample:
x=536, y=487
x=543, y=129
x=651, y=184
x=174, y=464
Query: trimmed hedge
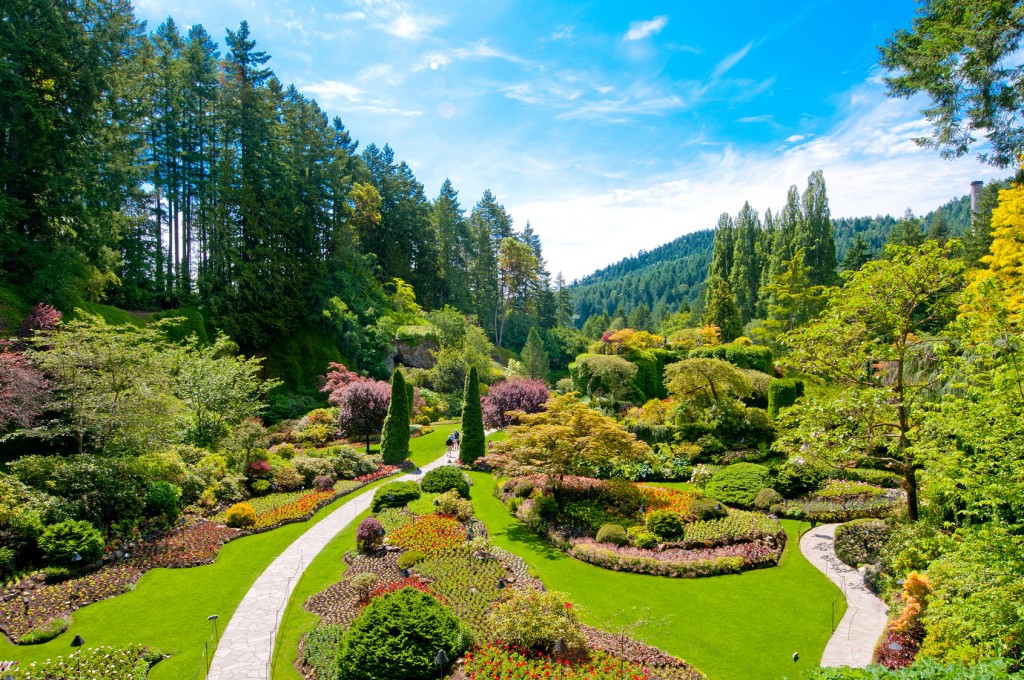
x=756, y=357
x=783, y=393
x=445, y=478
x=394, y=495
x=612, y=533
x=739, y=484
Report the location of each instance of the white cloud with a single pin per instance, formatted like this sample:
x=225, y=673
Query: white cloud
x=729, y=61
x=393, y=17
x=562, y=33
x=763, y=118
x=344, y=97
x=481, y=49
x=871, y=167
x=638, y=30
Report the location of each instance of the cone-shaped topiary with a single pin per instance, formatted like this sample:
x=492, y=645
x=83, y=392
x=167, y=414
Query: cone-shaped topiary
x=472, y=444
x=394, y=440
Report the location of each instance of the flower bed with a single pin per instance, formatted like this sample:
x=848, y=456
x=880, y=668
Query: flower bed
x=466, y=583
x=382, y=472
x=663, y=498
x=94, y=663
x=662, y=665
x=339, y=604
x=429, y=534
x=677, y=562
x=839, y=510
x=738, y=527
x=839, y=488
x=191, y=545
x=278, y=508
x=504, y=662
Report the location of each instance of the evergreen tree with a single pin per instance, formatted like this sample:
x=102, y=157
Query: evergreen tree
x=455, y=246
x=534, y=356
x=394, y=439
x=792, y=298
x=857, y=256
x=978, y=241
x=815, y=232
x=722, y=311
x=472, y=445
x=787, y=226
x=745, y=277
x=563, y=302
x=938, y=230
x=907, y=231
x=640, y=319
x=722, y=252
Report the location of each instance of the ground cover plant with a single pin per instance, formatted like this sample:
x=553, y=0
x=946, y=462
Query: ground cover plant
x=102, y=663
x=429, y=534
x=509, y=662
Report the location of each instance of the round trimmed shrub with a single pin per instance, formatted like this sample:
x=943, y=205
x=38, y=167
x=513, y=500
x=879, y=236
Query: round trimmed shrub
x=162, y=499
x=369, y=535
x=410, y=558
x=665, y=524
x=396, y=637
x=766, y=498
x=260, y=487
x=59, y=542
x=708, y=508
x=738, y=484
x=394, y=495
x=445, y=478
x=612, y=533
x=241, y=516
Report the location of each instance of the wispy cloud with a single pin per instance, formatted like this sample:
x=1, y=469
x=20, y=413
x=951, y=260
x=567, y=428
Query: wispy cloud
x=729, y=61
x=763, y=118
x=482, y=49
x=345, y=97
x=871, y=165
x=391, y=16
x=562, y=33
x=638, y=30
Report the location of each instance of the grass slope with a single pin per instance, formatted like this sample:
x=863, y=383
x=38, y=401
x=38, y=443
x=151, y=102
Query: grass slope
x=736, y=627
x=168, y=608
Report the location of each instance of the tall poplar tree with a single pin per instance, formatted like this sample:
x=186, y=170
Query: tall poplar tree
x=815, y=233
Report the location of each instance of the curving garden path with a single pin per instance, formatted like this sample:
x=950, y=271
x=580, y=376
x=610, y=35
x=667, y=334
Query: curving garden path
x=855, y=638
x=247, y=644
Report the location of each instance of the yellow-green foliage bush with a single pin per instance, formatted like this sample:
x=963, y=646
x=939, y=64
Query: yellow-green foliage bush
x=535, y=620
x=241, y=516
x=450, y=503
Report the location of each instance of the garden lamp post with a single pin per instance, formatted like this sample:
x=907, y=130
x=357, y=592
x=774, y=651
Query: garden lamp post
x=441, y=660
x=75, y=559
x=8, y=676
x=502, y=583
x=213, y=618
x=75, y=644
x=559, y=653
x=895, y=646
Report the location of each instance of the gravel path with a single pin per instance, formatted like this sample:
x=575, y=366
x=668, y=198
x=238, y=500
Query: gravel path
x=855, y=638
x=247, y=644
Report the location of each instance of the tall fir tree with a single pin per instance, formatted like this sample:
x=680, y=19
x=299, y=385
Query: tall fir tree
x=721, y=311
x=907, y=231
x=857, y=256
x=472, y=443
x=723, y=249
x=534, y=356
x=815, y=234
x=394, y=439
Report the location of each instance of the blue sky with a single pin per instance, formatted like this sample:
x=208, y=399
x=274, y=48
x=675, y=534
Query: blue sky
x=612, y=127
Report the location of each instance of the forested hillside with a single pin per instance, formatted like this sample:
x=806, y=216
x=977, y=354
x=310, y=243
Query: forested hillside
x=674, y=274
x=181, y=174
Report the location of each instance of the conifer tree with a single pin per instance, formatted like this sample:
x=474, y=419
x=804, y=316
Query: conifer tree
x=471, y=445
x=857, y=256
x=907, y=232
x=722, y=252
x=815, y=233
x=394, y=440
x=535, y=357
x=745, y=277
x=938, y=229
x=721, y=311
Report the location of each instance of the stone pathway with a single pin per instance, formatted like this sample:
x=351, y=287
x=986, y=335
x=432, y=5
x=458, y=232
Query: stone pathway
x=247, y=644
x=855, y=638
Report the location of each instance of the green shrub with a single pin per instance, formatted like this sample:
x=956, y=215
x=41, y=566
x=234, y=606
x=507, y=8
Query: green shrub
x=861, y=541
x=797, y=479
x=783, y=393
x=451, y=503
x=588, y=515
x=612, y=533
x=364, y=583
x=397, y=636
x=889, y=480
x=641, y=537
x=241, y=516
x=321, y=650
x=394, y=495
x=445, y=478
x=394, y=438
x=524, y=488
x=665, y=524
x=472, y=444
x=310, y=468
x=708, y=509
x=55, y=574
x=535, y=620
x=738, y=484
x=766, y=498
x=59, y=542
x=162, y=499
x=701, y=475
x=46, y=632
x=410, y=558
x=755, y=357
x=7, y=561
x=923, y=669
x=260, y=487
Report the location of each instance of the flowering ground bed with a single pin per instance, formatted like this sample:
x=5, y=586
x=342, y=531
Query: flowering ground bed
x=505, y=662
x=96, y=663
x=191, y=544
x=678, y=562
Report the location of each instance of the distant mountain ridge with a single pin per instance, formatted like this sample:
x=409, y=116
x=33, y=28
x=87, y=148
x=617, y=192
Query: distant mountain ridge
x=673, y=273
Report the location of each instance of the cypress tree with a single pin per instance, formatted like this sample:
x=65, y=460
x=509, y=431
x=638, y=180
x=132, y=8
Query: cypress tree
x=394, y=440
x=410, y=404
x=472, y=444
x=534, y=356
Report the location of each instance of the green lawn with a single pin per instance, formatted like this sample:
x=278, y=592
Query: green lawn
x=737, y=627
x=327, y=568
x=168, y=608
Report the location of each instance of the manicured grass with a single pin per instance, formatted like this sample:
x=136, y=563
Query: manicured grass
x=167, y=610
x=327, y=567
x=737, y=627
